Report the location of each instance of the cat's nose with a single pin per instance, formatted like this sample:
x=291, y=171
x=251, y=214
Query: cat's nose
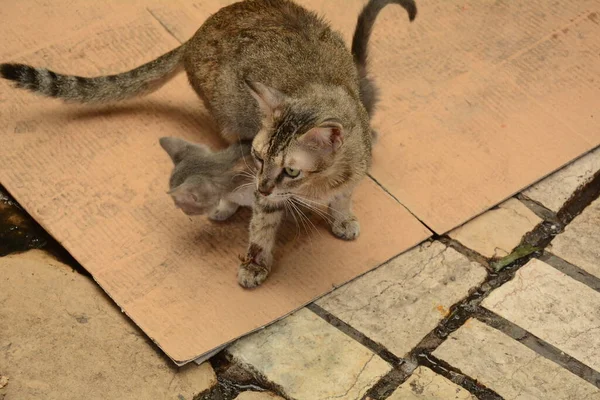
x=265, y=187
x=265, y=191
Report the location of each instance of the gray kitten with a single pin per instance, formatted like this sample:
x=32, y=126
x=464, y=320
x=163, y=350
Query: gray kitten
x=275, y=73
x=209, y=182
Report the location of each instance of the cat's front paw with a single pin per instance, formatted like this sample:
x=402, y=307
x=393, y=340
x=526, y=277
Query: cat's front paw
x=347, y=229
x=251, y=275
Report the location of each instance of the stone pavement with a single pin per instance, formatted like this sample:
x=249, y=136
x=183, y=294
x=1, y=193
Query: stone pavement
x=505, y=307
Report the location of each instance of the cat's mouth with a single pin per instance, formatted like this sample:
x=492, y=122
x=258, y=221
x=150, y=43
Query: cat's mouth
x=277, y=199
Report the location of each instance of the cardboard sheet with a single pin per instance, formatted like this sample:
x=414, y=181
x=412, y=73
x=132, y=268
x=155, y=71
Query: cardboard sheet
x=29, y=25
x=481, y=99
x=96, y=179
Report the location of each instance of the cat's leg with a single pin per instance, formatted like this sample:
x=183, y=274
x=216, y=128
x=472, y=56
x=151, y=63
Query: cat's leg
x=223, y=211
x=345, y=225
x=263, y=231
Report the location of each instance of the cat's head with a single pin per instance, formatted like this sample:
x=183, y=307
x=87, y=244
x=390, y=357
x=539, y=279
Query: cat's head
x=198, y=179
x=310, y=145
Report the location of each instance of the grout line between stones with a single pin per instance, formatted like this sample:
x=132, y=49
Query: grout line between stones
x=388, y=384
x=453, y=374
x=353, y=333
x=401, y=368
x=472, y=255
x=571, y=270
x=538, y=345
x=537, y=208
x=582, y=198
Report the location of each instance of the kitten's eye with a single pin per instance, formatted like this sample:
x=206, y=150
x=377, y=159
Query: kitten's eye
x=291, y=172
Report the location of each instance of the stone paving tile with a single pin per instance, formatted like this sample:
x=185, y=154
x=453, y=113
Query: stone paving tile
x=424, y=384
x=310, y=359
x=402, y=301
x=554, y=307
x=579, y=244
x=257, y=396
x=497, y=232
x=556, y=189
x=62, y=338
x=509, y=368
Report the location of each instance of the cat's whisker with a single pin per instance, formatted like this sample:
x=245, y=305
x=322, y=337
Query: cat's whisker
x=329, y=220
x=253, y=169
x=245, y=174
x=325, y=206
x=309, y=200
x=302, y=219
x=314, y=227
x=322, y=213
x=289, y=210
x=250, y=172
x=307, y=219
x=242, y=187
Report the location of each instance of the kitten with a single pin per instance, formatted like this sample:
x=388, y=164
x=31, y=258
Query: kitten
x=207, y=182
x=275, y=73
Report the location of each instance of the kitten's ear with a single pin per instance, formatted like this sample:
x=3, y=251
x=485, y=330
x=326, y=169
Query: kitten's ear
x=329, y=136
x=268, y=98
x=174, y=147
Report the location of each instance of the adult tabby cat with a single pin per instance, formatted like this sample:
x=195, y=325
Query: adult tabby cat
x=275, y=73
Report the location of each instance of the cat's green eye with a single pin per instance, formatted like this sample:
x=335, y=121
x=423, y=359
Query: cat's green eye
x=291, y=172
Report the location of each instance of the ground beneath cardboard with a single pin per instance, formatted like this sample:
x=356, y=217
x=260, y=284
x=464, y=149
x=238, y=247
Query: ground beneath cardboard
x=506, y=306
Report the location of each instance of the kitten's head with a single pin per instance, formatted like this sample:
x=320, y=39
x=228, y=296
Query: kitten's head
x=199, y=177
x=305, y=148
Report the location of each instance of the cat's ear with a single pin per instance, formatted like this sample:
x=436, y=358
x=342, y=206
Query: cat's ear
x=329, y=136
x=269, y=99
x=174, y=147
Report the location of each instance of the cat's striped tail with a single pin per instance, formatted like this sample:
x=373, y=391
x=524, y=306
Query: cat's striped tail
x=360, y=41
x=102, y=89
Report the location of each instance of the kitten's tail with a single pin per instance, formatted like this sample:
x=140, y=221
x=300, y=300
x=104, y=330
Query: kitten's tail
x=360, y=41
x=137, y=82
